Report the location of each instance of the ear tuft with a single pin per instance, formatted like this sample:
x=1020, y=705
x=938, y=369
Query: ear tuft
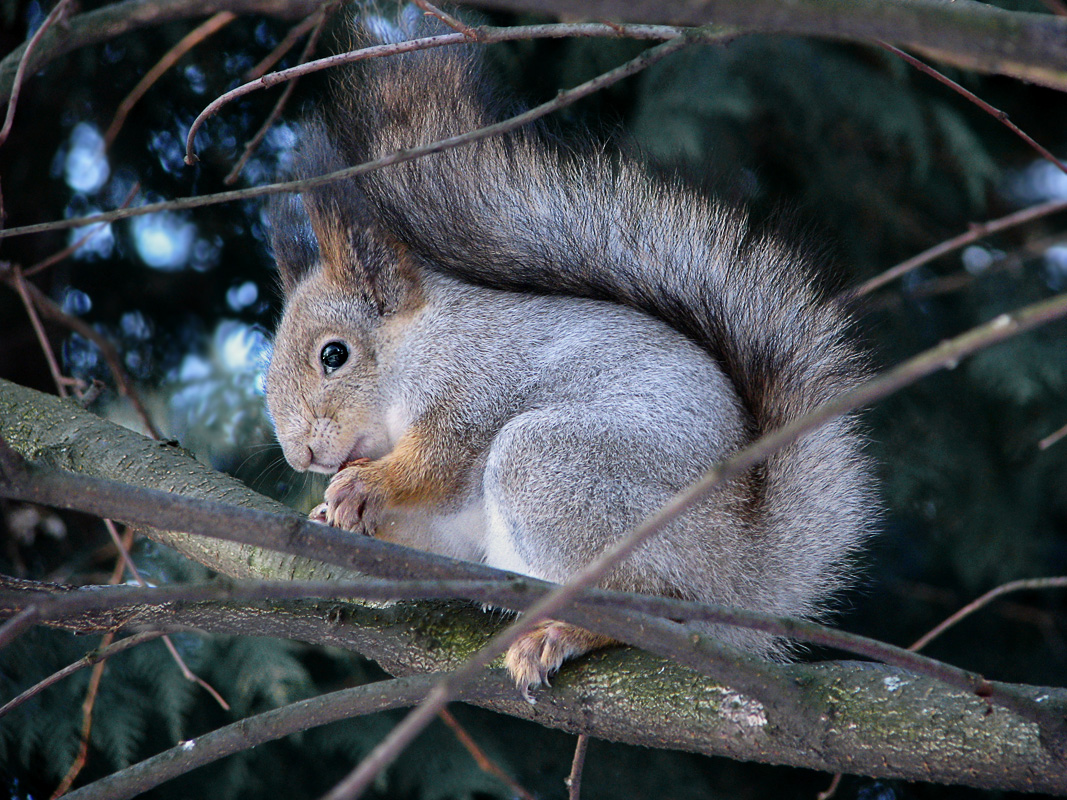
x=293, y=242
x=313, y=229
x=332, y=228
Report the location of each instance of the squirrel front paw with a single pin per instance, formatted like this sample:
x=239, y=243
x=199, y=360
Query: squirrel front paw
x=540, y=653
x=351, y=503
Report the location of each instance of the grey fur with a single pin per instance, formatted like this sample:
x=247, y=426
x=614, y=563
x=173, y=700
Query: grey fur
x=584, y=342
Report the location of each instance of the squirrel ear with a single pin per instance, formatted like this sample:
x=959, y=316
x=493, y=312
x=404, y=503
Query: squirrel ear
x=305, y=227
x=335, y=231
x=357, y=257
x=292, y=240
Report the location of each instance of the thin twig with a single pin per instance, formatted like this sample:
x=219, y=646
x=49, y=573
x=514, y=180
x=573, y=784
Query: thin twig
x=95, y=677
x=123, y=551
x=485, y=764
x=699, y=35
x=67, y=251
x=21, y=622
x=830, y=790
x=122, y=381
x=457, y=25
x=252, y=731
x=41, y=302
x=996, y=113
x=574, y=780
x=1057, y=7
x=974, y=233
x=169, y=59
x=99, y=653
x=88, y=704
x=985, y=599
x=61, y=381
x=55, y=258
x=253, y=143
x=59, y=11
x=483, y=34
x=284, y=46
x=1052, y=438
x=188, y=674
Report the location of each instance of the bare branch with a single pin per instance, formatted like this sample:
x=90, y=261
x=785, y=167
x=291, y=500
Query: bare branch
x=100, y=653
x=169, y=59
x=266, y=727
x=1052, y=438
x=966, y=34
x=448, y=19
x=574, y=780
x=986, y=599
x=485, y=764
x=994, y=112
x=624, y=619
x=20, y=285
x=56, y=14
x=976, y=232
x=82, y=756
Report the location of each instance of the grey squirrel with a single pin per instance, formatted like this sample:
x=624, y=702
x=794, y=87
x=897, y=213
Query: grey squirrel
x=512, y=353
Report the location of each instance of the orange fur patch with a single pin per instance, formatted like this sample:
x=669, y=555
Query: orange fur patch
x=423, y=469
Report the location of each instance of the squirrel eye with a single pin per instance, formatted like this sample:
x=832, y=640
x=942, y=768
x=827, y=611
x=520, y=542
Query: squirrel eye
x=333, y=356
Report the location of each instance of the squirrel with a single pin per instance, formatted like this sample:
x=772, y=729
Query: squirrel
x=511, y=352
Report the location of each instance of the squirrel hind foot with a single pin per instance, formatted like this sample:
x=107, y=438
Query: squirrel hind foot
x=540, y=653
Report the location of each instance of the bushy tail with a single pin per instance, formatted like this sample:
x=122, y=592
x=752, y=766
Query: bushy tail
x=516, y=212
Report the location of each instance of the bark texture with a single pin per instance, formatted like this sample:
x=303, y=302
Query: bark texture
x=860, y=718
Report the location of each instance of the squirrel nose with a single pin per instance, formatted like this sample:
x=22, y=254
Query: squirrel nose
x=299, y=457
x=316, y=462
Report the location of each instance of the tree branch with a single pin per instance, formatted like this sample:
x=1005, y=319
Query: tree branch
x=259, y=729
x=966, y=34
x=622, y=695
x=971, y=35
x=872, y=720
x=111, y=21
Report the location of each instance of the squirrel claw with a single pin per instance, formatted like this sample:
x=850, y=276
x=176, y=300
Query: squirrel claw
x=319, y=513
x=350, y=503
x=537, y=655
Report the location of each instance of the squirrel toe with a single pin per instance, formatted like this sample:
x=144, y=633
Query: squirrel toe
x=540, y=653
x=319, y=513
x=350, y=502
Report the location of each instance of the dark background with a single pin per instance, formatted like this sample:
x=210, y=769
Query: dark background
x=846, y=146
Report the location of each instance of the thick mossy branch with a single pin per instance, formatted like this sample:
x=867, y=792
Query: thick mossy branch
x=859, y=717
x=63, y=435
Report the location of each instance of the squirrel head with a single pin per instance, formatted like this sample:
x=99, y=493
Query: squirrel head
x=346, y=287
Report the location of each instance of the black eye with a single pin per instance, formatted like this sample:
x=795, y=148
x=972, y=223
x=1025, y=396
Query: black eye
x=333, y=356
